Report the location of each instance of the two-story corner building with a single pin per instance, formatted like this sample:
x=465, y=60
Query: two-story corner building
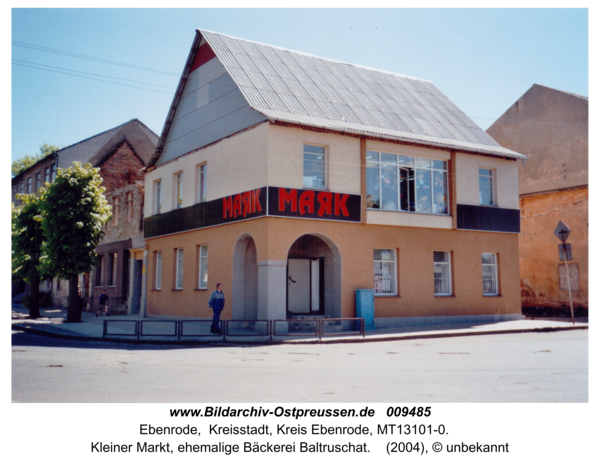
x=296, y=180
x=550, y=127
x=121, y=153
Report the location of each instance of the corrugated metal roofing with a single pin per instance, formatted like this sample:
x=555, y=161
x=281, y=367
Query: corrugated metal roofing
x=299, y=88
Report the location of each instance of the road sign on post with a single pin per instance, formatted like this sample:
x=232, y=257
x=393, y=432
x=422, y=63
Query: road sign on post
x=562, y=231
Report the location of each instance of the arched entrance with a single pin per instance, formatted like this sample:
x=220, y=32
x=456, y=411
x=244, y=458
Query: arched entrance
x=314, y=277
x=245, y=280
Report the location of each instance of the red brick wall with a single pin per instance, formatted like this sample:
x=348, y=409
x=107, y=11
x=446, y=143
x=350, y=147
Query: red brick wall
x=120, y=169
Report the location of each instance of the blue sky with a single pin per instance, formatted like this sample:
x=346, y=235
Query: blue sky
x=482, y=59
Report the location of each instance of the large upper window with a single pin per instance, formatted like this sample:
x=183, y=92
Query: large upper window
x=384, y=271
x=406, y=183
x=116, y=210
x=314, y=167
x=29, y=185
x=490, y=274
x=202, y=171
x=203, y=267
x=442, y=277
x=486, y=187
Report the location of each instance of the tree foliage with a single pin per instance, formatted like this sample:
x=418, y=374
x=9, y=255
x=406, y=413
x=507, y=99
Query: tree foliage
x=27, y=250
x=21, y=164
x=74, y=212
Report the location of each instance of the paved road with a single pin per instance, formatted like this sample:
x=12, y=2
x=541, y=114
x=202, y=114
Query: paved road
x=526, y=367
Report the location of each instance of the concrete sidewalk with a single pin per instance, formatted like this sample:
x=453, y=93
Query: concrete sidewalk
x=91, y=328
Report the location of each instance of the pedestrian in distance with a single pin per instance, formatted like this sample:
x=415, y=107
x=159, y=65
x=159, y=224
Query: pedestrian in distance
x=216, y=303
x=103, y=303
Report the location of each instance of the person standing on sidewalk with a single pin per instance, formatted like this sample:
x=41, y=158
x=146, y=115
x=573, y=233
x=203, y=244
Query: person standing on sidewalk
x=103, y=303
x=216, y=304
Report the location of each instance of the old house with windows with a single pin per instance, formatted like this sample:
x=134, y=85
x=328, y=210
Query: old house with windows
x=550, y=127
x=121, y=153
x=296, y=180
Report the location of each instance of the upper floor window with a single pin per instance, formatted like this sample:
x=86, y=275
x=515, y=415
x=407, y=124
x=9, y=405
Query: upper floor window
x=490, y=274
x=314, y=167
x=129, y=200
x=116, y=208
x=406, y=183
x=37, y=181
x=21, y=188
x=52, y=172
x=384, y=270
x=157, y=196
x=486, y=187
x=47, y=174
x=29, y=185
x=442, y=276
x=179, y=190
x=202, y=171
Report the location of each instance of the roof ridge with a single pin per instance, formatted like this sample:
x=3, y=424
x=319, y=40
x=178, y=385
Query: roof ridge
x=94, y=136
x=202, y=31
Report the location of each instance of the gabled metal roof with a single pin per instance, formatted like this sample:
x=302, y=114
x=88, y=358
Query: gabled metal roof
x=299, y=88
x=330, y=94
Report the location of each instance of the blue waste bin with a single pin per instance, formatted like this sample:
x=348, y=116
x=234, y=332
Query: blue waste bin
x=365, y=307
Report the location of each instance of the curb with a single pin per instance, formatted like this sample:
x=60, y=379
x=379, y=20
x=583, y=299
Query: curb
x=387, y=338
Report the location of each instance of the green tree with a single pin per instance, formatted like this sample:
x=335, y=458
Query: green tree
x=74, y=211
x=27, y=239
x=19, y=165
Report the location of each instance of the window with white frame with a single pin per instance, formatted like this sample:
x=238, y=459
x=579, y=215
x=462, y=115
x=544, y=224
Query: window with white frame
x=406, y=183
x=21, y=188
x=486, y=187
x=203, y=267
x=179, y=269
x=29, y=185
x=384, y=271
x=157, y=196
x=442, y=273
x=47, y=174
x=489, y=264
x=314, y=167
x=158, y=270
x=178, y=190
x=52, y=172
x=37, y=181
x=202, y=172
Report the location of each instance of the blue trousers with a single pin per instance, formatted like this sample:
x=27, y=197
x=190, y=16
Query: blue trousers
x=215, y=327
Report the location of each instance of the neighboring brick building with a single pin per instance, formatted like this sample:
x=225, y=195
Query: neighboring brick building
x=550, y=127
x=121, y=153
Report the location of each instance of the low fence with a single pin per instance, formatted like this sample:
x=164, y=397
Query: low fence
x=234, y=328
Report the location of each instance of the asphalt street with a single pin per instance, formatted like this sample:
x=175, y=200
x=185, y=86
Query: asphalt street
x=520, y=367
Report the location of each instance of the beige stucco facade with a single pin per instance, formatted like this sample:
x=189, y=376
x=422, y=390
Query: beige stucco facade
x=250, y=257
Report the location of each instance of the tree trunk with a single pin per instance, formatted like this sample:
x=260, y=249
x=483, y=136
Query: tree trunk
x=74, y=306
x=34, y=299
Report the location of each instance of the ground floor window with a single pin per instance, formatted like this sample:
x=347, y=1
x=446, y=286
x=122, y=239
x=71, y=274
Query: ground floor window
x=203, y=267
x=179, y=269
x=490, y=274
x=384, y=270
x=442, y=276
x=158, y=270
x=98, y=281
x=112, y=268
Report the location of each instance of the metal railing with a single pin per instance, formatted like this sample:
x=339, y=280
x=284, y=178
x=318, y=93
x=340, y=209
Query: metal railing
x=231, y=328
